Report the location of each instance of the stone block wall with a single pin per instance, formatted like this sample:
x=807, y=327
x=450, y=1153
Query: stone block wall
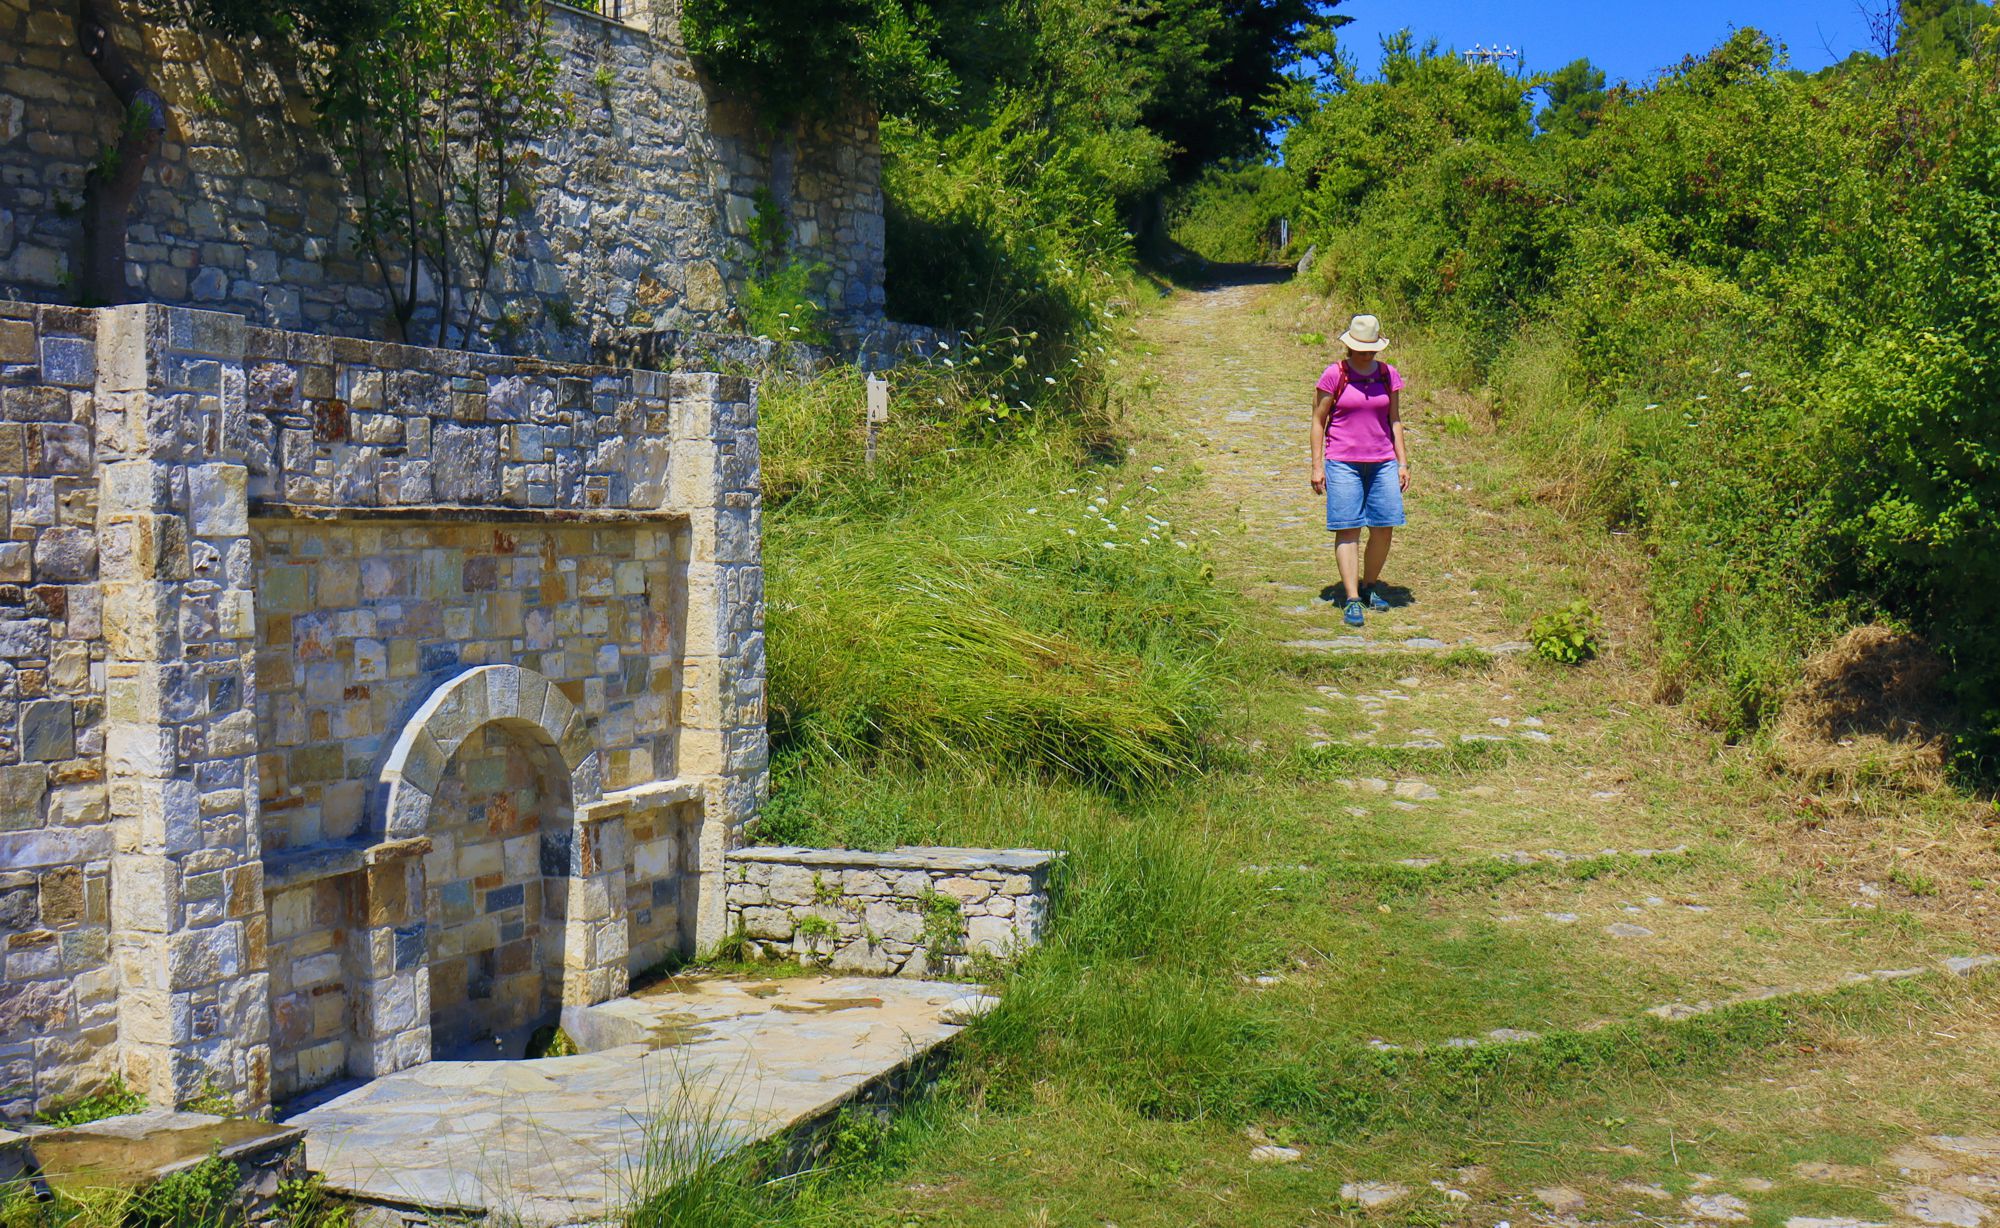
x=641, y=204
x=495, y=936
x=914, y=912
x=57, y=995
x=359, y=621
x=295, y=632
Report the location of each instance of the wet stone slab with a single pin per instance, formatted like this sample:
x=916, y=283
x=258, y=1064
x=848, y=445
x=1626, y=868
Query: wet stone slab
x=691, y=1068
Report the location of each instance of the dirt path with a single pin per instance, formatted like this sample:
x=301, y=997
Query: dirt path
x=1645, y=871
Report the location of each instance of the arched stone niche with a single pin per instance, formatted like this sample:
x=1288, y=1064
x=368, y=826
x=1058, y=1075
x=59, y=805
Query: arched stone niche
x=583, y=862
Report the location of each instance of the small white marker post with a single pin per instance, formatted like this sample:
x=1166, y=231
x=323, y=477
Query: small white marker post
x=878, y=413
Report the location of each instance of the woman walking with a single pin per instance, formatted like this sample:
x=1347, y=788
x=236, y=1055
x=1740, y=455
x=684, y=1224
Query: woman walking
x=1360, y=462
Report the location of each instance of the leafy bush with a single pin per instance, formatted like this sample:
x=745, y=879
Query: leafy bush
x=1569, y=636
x=204, y=1196
x=783, y=305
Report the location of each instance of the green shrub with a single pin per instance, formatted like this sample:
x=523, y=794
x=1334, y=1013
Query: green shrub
x=785, y=305
x=1569, y=636
x=204, y=1196
x=1235, y=214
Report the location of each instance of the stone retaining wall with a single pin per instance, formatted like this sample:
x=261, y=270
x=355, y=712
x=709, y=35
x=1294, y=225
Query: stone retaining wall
x=914, y=912
x=641, y=203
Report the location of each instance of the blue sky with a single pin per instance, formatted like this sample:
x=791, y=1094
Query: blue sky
x=1626, y=38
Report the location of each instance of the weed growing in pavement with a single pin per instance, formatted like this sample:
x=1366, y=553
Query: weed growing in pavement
x=114, y=1099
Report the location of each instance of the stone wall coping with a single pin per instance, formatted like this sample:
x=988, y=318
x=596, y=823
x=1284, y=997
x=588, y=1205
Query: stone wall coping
x=487, y=513
x=642, y=797
x=1020, y=861
x=253, y=1138
x=571, y=10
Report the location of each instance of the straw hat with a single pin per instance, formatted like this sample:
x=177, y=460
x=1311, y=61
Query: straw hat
x=1364, y=333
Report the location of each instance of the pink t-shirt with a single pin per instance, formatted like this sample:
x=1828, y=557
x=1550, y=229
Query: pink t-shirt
x=1359, y=429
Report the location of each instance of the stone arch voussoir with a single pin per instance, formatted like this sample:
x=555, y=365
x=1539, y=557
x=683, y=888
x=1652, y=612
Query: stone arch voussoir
x=485, y=695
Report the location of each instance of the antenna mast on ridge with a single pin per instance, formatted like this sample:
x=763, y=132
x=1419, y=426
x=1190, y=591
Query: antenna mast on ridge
x=1491, y=56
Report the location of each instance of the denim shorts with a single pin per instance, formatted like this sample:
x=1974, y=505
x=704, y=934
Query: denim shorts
x=1363, y=495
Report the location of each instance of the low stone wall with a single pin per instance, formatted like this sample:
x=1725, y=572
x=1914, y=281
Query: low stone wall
x=914, y=912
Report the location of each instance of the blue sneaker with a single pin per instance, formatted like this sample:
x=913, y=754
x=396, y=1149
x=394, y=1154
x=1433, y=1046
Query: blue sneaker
x=1376, y=601
x=1356, y=615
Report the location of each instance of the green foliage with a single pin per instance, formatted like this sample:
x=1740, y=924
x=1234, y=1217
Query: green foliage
x=212, y=1100
x=1929, y=29
x=819, y=934
x=550, y=1040
x=114, y=1099
x=805, y=57
x=784, y=306
x=1233, y=215
x=1577, y=99
x=1193, y=75
x=944, y=924
x=1569, y=636
x=306, y=1203
x=1745, y=311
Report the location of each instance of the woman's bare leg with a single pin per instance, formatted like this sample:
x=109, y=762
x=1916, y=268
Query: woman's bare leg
x=1379, y=541
x=1347, y=550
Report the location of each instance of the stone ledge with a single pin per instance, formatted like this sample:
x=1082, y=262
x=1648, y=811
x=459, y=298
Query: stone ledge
x=271, y=509
x=1019, y=861
x=140, y=1148
x=642, y=797
x=318, y=862
x=299, y=867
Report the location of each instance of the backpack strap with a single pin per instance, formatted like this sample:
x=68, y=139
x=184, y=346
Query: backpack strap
x=1339, y=386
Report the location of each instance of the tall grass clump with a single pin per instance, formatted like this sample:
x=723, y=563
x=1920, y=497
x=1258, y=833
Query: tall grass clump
x=984, y=617
x=1744, y=311
x=1136, y=991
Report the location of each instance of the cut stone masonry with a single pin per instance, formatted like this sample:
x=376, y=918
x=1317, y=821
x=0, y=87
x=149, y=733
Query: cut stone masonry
x=911, y=912
x=334, y=674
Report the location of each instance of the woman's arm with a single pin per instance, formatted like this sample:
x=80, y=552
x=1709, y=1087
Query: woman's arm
x=1322, y=414
x=1396, y=428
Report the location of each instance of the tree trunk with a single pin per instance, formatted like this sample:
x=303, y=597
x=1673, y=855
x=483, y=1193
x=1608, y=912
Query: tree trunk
x=112, y=186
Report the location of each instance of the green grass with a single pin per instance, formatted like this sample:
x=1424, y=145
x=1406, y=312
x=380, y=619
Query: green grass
x=1231, y=927
x=1029, y=609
